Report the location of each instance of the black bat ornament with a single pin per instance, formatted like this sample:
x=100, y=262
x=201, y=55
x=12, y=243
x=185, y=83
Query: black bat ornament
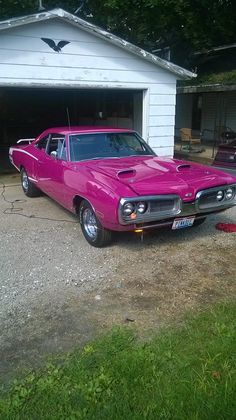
x=56, y=47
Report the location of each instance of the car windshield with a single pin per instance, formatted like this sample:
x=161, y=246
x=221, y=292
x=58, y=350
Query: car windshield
x=107, y=145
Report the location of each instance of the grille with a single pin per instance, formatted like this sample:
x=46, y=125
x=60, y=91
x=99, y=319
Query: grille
x=157, y=208
x=208, y=198
x=165, y=205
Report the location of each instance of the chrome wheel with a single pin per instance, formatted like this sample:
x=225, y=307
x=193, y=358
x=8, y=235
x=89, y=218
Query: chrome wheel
x=90, y=223
x=28, y=187
x=25, y=181
x=92, y=229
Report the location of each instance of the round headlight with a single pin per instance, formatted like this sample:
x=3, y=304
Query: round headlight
x=141, y=207
x=229, y=193
x=128, y=209
x=220, y=195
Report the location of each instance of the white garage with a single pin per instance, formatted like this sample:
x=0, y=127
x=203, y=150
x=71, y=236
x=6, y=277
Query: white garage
x=57, y=69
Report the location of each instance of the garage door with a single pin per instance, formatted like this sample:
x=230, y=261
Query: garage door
x=26, y=112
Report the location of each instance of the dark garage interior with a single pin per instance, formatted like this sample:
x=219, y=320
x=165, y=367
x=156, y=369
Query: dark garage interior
x=26, y=112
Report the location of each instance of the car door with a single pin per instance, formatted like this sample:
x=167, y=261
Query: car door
x=41, y=162
x=52, y=170
x=56, y=151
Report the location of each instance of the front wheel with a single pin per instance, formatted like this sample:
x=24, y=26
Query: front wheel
x=93, y=231
x=28, y=187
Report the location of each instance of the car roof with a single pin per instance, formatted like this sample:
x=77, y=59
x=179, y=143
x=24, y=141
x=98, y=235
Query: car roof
x=85, y=129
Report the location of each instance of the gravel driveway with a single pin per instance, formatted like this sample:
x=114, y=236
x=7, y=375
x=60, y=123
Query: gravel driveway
x=57, y=291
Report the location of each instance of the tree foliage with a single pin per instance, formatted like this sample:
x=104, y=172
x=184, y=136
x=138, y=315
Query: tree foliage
x=183, y=25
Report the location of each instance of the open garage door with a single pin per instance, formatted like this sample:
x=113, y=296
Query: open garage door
x=26, y=112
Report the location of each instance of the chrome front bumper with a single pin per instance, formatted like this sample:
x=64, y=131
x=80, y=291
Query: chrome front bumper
x=205, y=203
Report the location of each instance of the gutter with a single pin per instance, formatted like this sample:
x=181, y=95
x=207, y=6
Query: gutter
x=218, y=87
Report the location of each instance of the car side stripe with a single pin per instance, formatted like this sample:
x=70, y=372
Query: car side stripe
x=23, y=151
x=32, y=179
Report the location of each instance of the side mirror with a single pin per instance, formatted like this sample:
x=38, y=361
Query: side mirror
x=54, y=154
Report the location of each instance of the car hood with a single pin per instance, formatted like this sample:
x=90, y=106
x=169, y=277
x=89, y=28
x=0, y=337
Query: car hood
x=153, y=175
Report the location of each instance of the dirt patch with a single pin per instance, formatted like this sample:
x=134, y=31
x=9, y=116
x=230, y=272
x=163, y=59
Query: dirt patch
x=158, y=286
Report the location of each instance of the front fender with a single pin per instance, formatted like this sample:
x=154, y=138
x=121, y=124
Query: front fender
x=101, y=191
x=105, y=203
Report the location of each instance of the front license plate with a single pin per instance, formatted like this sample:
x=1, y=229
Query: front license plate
x=183, y=223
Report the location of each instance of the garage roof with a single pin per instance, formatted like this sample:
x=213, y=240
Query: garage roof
x=93, y=29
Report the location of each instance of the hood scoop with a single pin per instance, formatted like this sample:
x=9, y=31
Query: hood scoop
x=126, y=174
x=183, y=167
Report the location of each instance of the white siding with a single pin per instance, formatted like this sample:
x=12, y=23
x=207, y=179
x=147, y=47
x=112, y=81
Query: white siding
x=89, y=61
x=162, y=120
x=86, y=58
x=162, y=110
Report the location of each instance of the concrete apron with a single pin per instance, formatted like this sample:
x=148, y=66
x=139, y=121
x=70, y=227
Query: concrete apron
x=10, y=179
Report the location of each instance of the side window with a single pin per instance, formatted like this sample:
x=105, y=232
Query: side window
x=42, y=143
x=57, y=147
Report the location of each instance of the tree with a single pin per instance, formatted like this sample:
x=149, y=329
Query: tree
x=183, y=25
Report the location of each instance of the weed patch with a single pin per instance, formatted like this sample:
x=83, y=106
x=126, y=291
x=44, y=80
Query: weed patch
x=182, y=373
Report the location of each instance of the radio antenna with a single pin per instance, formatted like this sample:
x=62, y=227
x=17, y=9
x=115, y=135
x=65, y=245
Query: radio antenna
x=68, y=116
x=41, y=7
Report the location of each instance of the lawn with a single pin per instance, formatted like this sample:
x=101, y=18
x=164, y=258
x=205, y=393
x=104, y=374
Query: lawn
x=185, y=372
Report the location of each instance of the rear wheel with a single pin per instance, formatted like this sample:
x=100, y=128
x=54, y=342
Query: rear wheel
x=28, y=187
x=93, y=231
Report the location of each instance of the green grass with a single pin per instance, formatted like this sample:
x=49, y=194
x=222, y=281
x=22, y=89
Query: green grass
x=183, y=373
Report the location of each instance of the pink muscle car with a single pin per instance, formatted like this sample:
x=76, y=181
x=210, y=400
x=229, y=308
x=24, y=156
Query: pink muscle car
x=114, y=181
